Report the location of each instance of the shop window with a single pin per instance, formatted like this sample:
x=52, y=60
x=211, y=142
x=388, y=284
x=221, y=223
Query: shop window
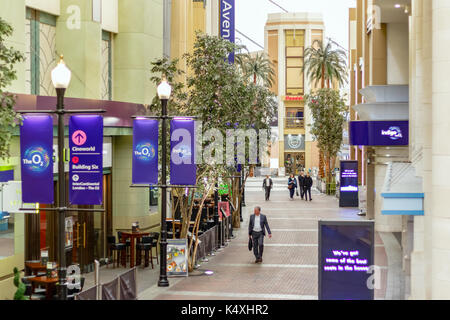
x=294, y=62
x=41, y=51
x=106, y=65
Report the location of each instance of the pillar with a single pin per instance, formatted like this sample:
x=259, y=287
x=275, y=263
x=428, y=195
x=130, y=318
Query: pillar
x=440, y=224
x=78, y=38
x=139, y=41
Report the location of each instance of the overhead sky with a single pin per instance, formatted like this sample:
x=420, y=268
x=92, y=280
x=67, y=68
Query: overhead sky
x=251, y=16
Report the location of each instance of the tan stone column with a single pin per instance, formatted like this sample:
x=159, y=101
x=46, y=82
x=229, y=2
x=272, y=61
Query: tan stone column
x=440, y=258
x=421, y=256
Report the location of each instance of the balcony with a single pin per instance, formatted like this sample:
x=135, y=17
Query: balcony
x=294, y=123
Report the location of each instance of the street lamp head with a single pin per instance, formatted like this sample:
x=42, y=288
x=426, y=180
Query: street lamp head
x=61, y=75
x=164, y=89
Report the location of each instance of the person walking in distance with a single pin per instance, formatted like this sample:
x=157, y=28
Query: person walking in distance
x=267, y=186
x=301, y=183
x=257, y=231
x=292, y=185
x=308, y=182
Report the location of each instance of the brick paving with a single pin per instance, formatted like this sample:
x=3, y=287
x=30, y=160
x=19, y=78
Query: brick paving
x=289, y=270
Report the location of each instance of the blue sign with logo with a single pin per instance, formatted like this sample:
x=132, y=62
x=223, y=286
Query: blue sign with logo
x=183, y=170
x=36, y=157
x=145, y=151
x=86, y=160
x=227, y=23
x=379, y=133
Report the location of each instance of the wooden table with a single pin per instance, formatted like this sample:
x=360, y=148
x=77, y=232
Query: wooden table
x=132, y=236
x=177, y=223
x=35, y=267
x=49, y=284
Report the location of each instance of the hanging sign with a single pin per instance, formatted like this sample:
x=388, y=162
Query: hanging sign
x=86, y=160
x=183, y=170
x=145, y=151
x=379, y=133
x=346, y=260
x=227, y=23
x=36, y=152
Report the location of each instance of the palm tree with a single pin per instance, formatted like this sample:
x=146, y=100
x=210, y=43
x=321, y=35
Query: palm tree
x=325, y=64
x=258, y=69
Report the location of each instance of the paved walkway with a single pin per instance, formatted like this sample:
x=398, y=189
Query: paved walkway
x=289, y=270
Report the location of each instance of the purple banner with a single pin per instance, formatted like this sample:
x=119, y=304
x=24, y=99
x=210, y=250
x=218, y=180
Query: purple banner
x=379, y=133
x=36, y=157
x=183, y=170
x=227, y=23
x=145, y=151
x=86, y=156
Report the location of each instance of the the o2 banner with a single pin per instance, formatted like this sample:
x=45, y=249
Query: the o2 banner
x=227, y=23
x=346, y=260
x=183, y=170
x=348, y=190
x=379, y=133
x=36, y=157
x=145, y=151
x=86, y=160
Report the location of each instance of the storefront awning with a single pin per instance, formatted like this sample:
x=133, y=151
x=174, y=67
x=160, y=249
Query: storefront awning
x=402, y=191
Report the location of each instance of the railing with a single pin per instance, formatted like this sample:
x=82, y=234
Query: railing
x=294, y=123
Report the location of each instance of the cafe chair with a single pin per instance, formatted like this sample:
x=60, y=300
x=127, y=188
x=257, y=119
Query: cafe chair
x=145, y=245
x=155, y=237
x=115, y=247
x=127, y=244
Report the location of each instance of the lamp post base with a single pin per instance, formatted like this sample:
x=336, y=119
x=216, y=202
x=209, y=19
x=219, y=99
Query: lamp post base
x=163, y=282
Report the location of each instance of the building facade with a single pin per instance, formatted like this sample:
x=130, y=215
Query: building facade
x=287, y=35
x=108, y=45
x=398, y=50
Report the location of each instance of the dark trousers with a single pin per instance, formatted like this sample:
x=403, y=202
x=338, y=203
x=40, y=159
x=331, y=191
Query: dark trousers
x=302, y=192
x=258, y=244
x=307, y=190
x=267, y=192
x=291, y=192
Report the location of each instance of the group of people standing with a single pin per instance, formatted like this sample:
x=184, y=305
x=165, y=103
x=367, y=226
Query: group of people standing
x=305, y=183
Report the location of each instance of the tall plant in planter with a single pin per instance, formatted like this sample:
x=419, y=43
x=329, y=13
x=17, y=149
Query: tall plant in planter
x=328, y=111
x=8, y=118
x=325, y=64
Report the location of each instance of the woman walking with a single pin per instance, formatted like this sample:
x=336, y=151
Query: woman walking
x=292, y=185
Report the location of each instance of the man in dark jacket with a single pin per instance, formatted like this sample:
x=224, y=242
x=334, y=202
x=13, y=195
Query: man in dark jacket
x=256, y=231
x=301, y=183
x=267, y=186
x=307, y=185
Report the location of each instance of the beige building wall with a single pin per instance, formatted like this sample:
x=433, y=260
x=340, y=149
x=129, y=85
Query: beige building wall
x=275, y=46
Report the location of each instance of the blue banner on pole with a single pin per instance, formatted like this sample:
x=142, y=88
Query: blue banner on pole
x=145, y=151
x=36, y=153
x=86, y=160
x=183, y=170
x=227, y=23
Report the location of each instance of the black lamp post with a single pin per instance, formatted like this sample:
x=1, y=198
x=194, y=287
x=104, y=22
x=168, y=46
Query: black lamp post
x=164, y=91
x=61, y=78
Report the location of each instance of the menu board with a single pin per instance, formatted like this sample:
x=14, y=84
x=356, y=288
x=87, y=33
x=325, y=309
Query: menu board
x=346, y=254
x=177, y=257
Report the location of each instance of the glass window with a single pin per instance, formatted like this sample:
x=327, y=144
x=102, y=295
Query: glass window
x=294, y=62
